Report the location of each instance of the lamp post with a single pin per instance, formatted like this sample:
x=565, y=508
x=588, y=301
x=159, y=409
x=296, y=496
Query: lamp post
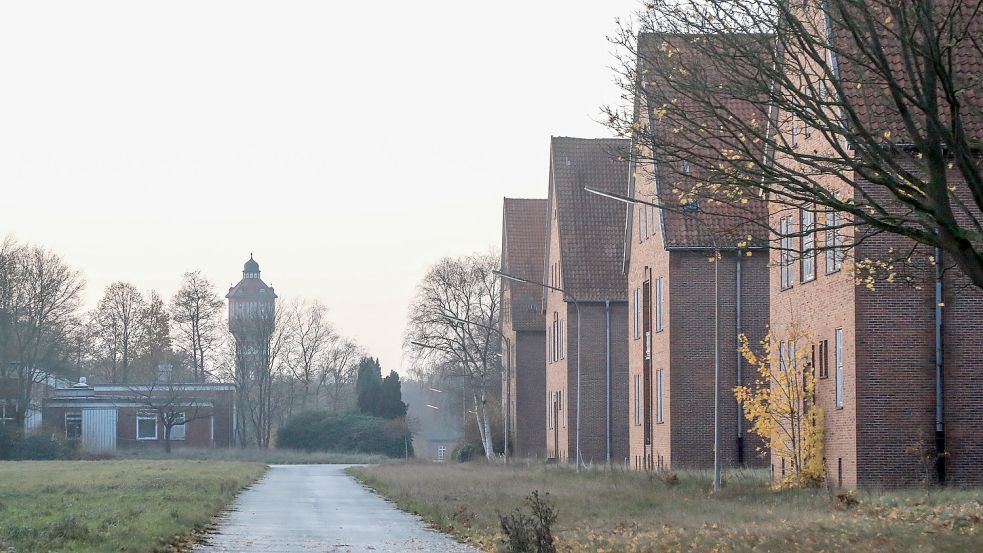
x=716, y=326
x=577, y=308
x=506, y=413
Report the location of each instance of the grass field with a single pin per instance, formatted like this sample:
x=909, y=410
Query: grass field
x=614, y=511
x=100, y=506
x=253, y=455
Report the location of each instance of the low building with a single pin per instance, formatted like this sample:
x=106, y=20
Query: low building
x=107, y=417
x=523, y=325
x=584, y=253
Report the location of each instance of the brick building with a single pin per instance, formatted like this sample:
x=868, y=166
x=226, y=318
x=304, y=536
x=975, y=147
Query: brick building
x=107, y=417
x=672, y=278
x=584, y=250
x=523, y=324
x=897, y=363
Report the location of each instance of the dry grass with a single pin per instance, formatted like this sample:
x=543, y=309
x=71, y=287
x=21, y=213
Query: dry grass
x=271, y=456
x=131, y=506
x=616, y=511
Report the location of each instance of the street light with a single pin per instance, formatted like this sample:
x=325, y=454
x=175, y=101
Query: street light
x=716, y=326
x=577, y=307
x=507, y=411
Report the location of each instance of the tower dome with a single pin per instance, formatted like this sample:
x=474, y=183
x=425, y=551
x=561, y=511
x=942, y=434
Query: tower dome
x=251, y=268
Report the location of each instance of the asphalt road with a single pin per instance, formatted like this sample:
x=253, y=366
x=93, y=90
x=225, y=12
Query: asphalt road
x=305, y=508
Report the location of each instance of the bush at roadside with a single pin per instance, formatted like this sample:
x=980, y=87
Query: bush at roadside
x=320, y=431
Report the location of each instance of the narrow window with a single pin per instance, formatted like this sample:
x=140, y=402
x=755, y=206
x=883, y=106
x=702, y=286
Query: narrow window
x=838, y=359
x=73, y=426
x=641, y=224
x=785, y=253
x=441, y=453
x=834, y=257
x=638, y=399
x=179, y=430
x=638, y=313
x=781, y=357
x=686, y=167
x=795, y=132
x=563, y=342
x=647, y=226
x=658, y=304
x=839, y=472
x=807, y=244
x=146, y=425
x=659, y=397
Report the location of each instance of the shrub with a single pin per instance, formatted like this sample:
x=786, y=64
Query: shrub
x=533, y=532
x=464, y=453
x=320, y=431
x=15, y=445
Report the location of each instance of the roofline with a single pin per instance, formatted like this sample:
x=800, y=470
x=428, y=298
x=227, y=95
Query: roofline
x=151, y=387
x=711, y=248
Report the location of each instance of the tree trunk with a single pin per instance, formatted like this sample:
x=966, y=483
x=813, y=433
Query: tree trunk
x=167, y=439
x=484, y=429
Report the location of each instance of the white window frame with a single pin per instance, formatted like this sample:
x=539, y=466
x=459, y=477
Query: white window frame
x=660, y=400
x=79, y=417
x=4, y=417
x=659, y=305
x=184, y=429
x=638, y=313
x=785, y=251
x=563, y=343
x=638, y=400
x=641, y=231
x=807, y=243
x=838, y=340
x=146, y=415
x=441, y=453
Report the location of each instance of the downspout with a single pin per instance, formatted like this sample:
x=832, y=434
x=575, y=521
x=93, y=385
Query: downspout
x=939, y=421
x=740, y=362
x=607, y=316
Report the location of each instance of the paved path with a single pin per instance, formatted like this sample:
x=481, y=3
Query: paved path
x=305, y=508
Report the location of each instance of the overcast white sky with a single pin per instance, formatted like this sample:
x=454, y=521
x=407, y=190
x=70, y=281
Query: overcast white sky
x=348, y=144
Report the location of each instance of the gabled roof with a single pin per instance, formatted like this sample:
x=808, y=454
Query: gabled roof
x=591, y=228
x=705, y=222
x=523, y=253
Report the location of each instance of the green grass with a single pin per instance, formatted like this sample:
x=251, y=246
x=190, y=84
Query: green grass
x=253, y=455
x=132, y=506
x=615, y=511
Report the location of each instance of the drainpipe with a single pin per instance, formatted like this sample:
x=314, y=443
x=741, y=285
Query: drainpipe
x=740, y=362
x=939, y=422
x=607, y=316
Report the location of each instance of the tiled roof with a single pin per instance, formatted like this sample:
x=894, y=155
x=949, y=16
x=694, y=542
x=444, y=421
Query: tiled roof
x=867, y=91
x=250, y=287
x=523, y=251
x=725, y=222
x=591, y=227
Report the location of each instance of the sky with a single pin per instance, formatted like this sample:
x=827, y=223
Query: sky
x=348, y=145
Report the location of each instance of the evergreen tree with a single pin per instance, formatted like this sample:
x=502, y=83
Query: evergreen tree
x=391, y=404
x=368, y=386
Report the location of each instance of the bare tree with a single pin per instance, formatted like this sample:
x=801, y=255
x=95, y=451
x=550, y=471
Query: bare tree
x=336, y=371
x=39, y=296
x=461, y=288
x=154, y=347
x=311, y=334
x=867, y=112
x=117, y=322
x=173, y=404
x=258, y=344
x=196, y=310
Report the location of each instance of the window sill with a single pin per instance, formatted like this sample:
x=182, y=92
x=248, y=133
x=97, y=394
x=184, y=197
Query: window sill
x=810, y=279
x=154, y=439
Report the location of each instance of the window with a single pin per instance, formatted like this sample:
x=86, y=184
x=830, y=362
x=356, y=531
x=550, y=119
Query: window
x=838, y=359
x=559, y=404
x=782, y=365
x=641, y=223
x=146, y=426
x=638, y=399
x=647, y=226
x=785, y=251
x=637, y=319
x=7, y=411
x=659, y=391
x=73, y=426
x=686, y=167
x=658, y=304
x=834, y=255
x=563, y=343
x=823, y=359
x=441, y=453
x=807, y=244
x=795, y=132
x=179, y=431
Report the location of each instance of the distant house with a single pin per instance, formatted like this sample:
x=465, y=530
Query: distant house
x=584, y=255
x=107, y=417
x=43, y=387
x=438, y=448
x=523, y=324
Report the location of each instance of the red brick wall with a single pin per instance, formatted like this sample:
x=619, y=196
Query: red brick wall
x=529, y=391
